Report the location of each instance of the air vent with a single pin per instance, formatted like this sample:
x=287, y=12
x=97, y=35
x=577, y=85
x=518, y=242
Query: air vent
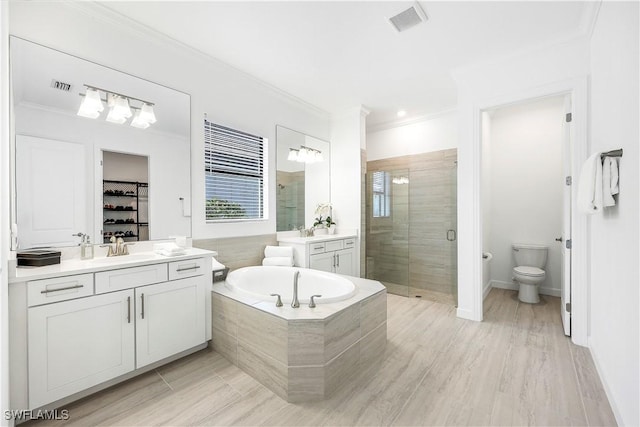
x=57, y=84
x=408, y=18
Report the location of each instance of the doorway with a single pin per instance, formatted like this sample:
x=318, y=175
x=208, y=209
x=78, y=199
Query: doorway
x=525, y=196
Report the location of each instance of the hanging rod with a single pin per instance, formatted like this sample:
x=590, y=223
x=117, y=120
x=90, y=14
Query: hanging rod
x=612, y=153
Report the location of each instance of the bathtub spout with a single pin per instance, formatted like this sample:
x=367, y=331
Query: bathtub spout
x=295, y=303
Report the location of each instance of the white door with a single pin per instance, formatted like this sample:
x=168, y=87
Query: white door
x=322, y=262
x=344, y=262
x=170, y=318
x=51, y=192
x=565, y=239
x=76, y=344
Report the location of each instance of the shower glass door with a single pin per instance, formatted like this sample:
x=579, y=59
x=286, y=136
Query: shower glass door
x=387, y=203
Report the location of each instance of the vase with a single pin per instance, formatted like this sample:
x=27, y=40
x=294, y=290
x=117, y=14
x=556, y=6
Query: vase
x=331, y=230
x=319, y=231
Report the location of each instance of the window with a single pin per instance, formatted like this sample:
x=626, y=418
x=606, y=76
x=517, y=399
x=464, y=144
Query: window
x=234, y=173
x=381, y=194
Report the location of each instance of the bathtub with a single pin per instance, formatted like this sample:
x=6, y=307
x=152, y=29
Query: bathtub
x=262, y=281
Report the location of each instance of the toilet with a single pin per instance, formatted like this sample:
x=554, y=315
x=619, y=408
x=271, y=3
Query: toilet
x=529, y=273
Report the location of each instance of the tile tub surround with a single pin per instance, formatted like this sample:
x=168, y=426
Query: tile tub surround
x=302, y=354
x=238, y=252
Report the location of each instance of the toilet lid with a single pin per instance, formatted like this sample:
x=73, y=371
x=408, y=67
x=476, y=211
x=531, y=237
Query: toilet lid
x=529, y=271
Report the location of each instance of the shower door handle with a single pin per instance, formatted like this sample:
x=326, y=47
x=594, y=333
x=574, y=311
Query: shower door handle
x=451, y=235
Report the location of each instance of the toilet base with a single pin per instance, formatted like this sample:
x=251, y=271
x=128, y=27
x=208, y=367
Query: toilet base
x=529, y=294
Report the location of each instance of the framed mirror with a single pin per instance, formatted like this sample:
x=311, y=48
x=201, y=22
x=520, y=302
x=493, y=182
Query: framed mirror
x=95, y=168
x=303, y=178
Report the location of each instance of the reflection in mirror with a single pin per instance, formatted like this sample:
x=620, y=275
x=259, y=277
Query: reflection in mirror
x=59, y=147
x=302, y=178
x=125, y=196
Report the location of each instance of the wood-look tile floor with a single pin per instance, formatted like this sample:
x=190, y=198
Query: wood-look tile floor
x=514, y=368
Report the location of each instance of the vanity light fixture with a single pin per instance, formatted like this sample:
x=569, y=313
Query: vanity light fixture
x=119, y=107
x=400, y=180
x=305, y=155
x=91, y=105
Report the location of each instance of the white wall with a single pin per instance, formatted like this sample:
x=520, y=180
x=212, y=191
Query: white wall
x=614, y=235
x=434, y=133
x=526, y=178
x=229, y=97
x=347, y=139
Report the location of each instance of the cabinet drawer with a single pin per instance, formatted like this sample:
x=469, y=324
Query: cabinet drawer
x=316, y=248
x=349, y=243
x=334, y=245
x=126, y=278
x=186, y=268
x=59, y=289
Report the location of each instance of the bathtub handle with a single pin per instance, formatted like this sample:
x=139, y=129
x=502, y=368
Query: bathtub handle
x=312, y=303
x=278, y=301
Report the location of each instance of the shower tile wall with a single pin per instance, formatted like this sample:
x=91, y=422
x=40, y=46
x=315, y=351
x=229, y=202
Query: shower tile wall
x=290, y=200
x=409, y=252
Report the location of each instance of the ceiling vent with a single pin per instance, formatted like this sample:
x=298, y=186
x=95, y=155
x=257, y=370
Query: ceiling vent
x=57, y=84
x=408, y=18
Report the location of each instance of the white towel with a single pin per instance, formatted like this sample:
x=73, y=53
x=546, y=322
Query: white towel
x=278, y=251
x=168, y=249
x=609, y=181
x=590, y=185
x=283, y=261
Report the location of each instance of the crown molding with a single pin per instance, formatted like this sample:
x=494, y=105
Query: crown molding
x=108, y=16
x=590, y=17
x=410, y=121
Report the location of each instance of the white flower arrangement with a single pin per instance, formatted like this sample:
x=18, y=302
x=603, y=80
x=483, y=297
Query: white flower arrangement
x=323, y=212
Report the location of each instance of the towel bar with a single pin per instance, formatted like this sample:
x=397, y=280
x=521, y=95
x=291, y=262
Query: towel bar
x=612, y=153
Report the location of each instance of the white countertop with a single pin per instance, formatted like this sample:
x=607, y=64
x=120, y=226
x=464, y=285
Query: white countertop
x=78, y=266
x=315, y=239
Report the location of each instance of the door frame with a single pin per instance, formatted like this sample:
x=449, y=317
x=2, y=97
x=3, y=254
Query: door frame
x=577, y=88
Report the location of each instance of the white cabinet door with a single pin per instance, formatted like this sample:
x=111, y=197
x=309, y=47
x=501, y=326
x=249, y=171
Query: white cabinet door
x=51, y=180
x=344, y=261
x=170, y=318
x=76, y=344
x=323, y=262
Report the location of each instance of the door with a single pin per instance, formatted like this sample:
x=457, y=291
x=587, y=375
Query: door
x=322, y=262
x=565, y=239
x=170, y=318
x=77, y=344
x=52, y=192
x=344, y=261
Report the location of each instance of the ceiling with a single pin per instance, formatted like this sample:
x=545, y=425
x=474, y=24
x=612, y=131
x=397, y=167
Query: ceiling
x=337, y=54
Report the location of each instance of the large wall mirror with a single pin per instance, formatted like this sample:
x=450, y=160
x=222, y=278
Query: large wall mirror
x=303, y=178
x=103, y=173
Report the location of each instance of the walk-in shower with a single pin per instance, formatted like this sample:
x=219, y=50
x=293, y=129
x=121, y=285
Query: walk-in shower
x=411, y=225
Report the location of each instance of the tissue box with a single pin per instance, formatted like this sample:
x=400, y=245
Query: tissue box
x=38, y=257
x=220, y=274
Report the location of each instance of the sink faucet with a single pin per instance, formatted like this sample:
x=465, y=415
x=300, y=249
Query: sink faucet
x=295, y=303
x=117, y=248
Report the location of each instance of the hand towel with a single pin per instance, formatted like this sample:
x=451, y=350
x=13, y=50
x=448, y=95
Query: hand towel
x=168, y=249
x=216, y=265
x=278, y=251
x=609, y=181
x=278, y=261
x=590, y=185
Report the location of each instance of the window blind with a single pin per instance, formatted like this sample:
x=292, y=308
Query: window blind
x=234, y=173
x=381, y=194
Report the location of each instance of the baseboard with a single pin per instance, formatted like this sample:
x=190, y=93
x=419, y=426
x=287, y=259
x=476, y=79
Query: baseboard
x=486, y=290
x=466, y=314
x=605, y=384
x=514, y=287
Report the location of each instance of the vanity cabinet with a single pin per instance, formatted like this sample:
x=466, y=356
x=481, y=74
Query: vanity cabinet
x=334, y=254
x=82, y=332
x=77, y=344
x=170, y=317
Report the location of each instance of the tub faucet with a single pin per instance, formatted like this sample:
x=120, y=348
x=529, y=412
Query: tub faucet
x=295, y=303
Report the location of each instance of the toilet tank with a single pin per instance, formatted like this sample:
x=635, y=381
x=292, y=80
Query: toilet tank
x=530, y=255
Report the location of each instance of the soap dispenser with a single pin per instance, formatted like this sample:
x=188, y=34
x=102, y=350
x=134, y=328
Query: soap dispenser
x=86, y=248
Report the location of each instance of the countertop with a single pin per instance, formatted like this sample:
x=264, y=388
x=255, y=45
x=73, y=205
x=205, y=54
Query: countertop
x=78, y=266
x=315, y=239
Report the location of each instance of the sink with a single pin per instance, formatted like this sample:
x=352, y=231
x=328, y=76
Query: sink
x=122, y=259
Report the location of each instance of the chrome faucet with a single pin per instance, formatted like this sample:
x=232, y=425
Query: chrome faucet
x=295, y=303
